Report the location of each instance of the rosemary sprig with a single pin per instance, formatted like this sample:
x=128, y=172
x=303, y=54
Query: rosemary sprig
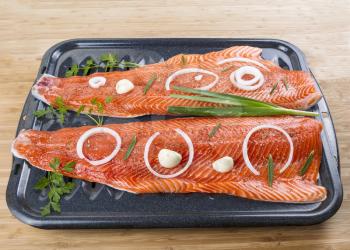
x=149, y=83
x=285, y=83
x=130, y=148
x=56, y=184
x=270, y=167
x=214, y=130
x=227, y=68
x=307, y=164
x=273, y=88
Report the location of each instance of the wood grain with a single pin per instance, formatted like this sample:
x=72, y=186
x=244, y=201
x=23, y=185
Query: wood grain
x=320, y=28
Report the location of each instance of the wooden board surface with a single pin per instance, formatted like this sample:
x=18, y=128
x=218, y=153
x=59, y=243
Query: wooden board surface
x=320, y=28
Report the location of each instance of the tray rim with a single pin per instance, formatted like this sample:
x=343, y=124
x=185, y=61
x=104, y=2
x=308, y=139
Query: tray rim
x=265, y=218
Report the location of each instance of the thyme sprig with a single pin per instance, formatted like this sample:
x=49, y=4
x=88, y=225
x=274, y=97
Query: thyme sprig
x=108, y=62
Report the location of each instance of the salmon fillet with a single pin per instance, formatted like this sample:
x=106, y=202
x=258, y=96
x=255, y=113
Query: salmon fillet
x=294, y=89
x=132, y=175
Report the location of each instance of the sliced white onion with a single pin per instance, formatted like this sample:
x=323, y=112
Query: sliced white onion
x=181, y=171
x=94, y=131
x=239, y=82
x=247, y=70
x=97, y=81
x=242, y=59
x=266, y=126
x=192, y=70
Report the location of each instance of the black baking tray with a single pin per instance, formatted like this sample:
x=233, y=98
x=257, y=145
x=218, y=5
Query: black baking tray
x=92, y=205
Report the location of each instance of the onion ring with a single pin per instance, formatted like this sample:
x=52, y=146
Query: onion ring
x=236, y=78
x=91, y=132
x=245, y=147
x=192, y=70
x=181, y=171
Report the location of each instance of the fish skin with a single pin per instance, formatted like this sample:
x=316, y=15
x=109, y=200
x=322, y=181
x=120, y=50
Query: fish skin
x=40, y=147
x=301, y=92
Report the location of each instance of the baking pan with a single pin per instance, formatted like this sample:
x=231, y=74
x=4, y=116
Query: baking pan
x=92, y=205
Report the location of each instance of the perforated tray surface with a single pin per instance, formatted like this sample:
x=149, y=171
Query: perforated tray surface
x=92, y=205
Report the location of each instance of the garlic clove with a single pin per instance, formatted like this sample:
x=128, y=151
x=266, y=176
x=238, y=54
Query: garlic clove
x=124, y=86
x=168, y=158
x=223, y=165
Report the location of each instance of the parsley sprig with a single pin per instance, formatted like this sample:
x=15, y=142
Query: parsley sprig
x=108, y=62
x=59, y=111
x=56, y=184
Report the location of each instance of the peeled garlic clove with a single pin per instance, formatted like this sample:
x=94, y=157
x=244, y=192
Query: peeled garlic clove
x=223, y=165
x=168, y=158
x=124, y=86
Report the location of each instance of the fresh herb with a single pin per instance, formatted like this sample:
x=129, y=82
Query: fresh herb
x=149, y=83
x=59, y=111
x=56, y=184
x=108, y=99
x=126, y=64
x=98, y=104
x=80, y=109
x=234, y=105
x=130, y=148
x=61, y=108
x=273, y=88
x=270, y=167
x=100, y=108
x=228, y=68
x=307, y=164
x=183, y=60
x=214, y=130
x=72, y=71
x=88, y=66
x=41, y=113
x=285, y=83
x=110, y=62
